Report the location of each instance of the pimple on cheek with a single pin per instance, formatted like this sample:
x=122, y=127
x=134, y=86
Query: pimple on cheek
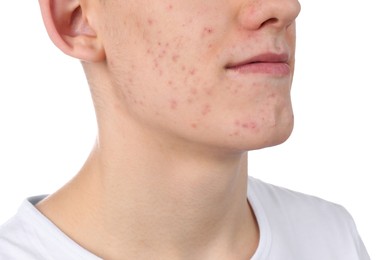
x=208, y=91
x=175, y=57
x=192, y=72
x=194, y=91
x=206, y=109
x=207, y=31
x=150, y=21
x=173, y=104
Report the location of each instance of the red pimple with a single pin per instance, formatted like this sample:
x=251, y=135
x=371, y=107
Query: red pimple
x=272, y=95
x=206, y=109
x=208, y=30
x=194, y=126
x=193, y=71
x=194, y=91
x=249, y=125
x=162, y=54
x=150, y=21
x=155, y=63
x=174, y=58
x=173, y=104
x=208, y=91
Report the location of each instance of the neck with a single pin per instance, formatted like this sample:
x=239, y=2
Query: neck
x=157, y=200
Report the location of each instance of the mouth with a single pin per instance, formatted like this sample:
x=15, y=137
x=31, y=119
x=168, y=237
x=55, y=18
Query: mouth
x=266, y=63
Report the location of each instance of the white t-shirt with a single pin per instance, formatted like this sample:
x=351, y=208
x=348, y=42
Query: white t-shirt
x=293, y=226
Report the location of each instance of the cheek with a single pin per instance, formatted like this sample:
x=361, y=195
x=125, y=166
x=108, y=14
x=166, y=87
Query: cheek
x=159, y=74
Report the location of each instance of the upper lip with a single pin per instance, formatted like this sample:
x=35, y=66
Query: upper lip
x=268, y=57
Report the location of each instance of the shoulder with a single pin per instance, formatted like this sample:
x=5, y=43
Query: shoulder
x=15, y=240
x=289, y=201
x=305, y=220
x=29, y=235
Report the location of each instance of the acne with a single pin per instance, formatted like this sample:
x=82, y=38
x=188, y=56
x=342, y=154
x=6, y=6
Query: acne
x=246, y=125
x=208, y=91
x=207, y=31
x=175, y=57
x=173, y=104
x=170, y=7
x=192, y=72
x=194, y=91
x=235, y=133
x=150, y=21
x=206, y=109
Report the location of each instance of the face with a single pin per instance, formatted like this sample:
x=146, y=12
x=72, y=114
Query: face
x=214, y=72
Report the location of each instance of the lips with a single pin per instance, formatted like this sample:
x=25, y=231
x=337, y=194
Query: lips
x=266, y=63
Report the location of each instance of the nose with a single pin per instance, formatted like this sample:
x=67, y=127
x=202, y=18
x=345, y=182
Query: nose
x=255, y=14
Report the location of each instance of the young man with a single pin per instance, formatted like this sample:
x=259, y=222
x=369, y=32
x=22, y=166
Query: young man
x=183, y=89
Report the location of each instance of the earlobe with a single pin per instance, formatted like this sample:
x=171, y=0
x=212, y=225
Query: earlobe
x=69, y=28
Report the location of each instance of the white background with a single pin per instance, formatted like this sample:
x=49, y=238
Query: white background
x=339, y=150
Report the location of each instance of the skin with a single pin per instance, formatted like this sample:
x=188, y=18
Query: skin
x=167, y=177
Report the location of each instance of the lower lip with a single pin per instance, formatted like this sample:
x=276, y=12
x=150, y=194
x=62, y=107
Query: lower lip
x=269, y=68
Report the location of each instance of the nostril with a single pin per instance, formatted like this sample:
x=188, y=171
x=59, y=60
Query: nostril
x=270, y=21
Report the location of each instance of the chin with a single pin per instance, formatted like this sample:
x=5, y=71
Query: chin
x=266, y=137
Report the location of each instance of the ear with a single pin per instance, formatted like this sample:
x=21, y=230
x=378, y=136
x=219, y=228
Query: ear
x=68, y=23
